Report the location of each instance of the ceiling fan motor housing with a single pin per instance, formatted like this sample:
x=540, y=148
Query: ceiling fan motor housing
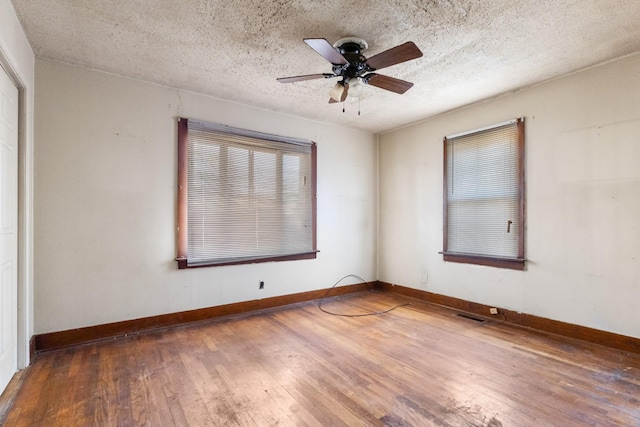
x=357, y=62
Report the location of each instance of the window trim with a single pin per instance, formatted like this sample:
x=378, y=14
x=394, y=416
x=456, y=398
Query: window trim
x=517, y=263
x=182, y=230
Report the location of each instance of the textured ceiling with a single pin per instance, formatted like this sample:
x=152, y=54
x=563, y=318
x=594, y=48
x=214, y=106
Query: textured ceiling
x=473, y=49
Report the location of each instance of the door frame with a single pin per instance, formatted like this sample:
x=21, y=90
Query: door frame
x=25, y=345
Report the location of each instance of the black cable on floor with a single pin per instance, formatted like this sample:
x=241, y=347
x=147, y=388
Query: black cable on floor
x=375, y=313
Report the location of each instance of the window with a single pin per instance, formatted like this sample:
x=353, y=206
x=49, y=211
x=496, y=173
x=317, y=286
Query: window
x=243, y=197
x=484, y=196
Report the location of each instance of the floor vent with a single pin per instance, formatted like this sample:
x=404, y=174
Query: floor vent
x=470, y=317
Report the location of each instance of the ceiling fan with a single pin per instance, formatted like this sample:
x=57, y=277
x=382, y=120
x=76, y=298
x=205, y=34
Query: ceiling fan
x=348, y=62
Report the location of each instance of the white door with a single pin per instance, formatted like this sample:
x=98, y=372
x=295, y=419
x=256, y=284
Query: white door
x=8, y=228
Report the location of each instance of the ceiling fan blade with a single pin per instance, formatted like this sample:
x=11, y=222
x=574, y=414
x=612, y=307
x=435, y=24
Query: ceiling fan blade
x=332, y=101
x=306, y=77
x=324, y=48
x=388, y=83
x=404, y=52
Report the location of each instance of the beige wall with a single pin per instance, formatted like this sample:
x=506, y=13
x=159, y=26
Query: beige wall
x=105, y=202
x=583, y=202
x=105, y=183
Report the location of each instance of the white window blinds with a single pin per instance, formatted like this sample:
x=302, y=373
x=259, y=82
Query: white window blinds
x=250, y=196
x=483, y=192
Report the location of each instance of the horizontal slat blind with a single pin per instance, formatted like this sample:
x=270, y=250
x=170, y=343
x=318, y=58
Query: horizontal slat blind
x=248, y=198
x=482, y=193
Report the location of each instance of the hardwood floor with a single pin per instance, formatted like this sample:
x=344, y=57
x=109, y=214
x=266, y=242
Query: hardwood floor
x=419, y=365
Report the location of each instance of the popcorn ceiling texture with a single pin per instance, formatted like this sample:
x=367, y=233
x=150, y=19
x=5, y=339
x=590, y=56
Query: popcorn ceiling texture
x=472, y=49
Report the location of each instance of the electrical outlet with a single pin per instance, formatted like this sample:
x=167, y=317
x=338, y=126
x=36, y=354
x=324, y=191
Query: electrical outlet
x=261, y=286
x=493, y=310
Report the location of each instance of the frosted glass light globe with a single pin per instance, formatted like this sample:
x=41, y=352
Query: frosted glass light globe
x=355, y=88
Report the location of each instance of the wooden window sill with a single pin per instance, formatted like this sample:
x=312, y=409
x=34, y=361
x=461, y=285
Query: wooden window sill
x=184, y=262
x=510, y=263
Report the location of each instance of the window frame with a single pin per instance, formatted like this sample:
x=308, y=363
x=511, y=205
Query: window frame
x=182, y=230
x=517, y=263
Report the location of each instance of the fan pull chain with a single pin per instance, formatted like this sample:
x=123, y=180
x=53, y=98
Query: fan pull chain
x=359, y=105
x=343, y=106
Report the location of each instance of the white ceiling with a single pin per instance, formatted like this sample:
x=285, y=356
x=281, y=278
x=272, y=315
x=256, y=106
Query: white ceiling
x=473, y=49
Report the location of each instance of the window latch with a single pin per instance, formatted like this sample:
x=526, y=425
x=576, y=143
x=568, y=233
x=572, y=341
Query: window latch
x=509, y=226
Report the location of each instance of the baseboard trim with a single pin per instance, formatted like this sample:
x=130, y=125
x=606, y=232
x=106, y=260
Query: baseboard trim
x=609, y=339
x=57, y=340
x=72, y=337
x=32, y=349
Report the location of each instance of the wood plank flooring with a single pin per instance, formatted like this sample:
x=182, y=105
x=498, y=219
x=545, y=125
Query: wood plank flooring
x=419, y=365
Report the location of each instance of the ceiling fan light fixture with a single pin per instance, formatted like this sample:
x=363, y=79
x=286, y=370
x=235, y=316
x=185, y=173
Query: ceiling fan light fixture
x=355, y=88
x=339, y=91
